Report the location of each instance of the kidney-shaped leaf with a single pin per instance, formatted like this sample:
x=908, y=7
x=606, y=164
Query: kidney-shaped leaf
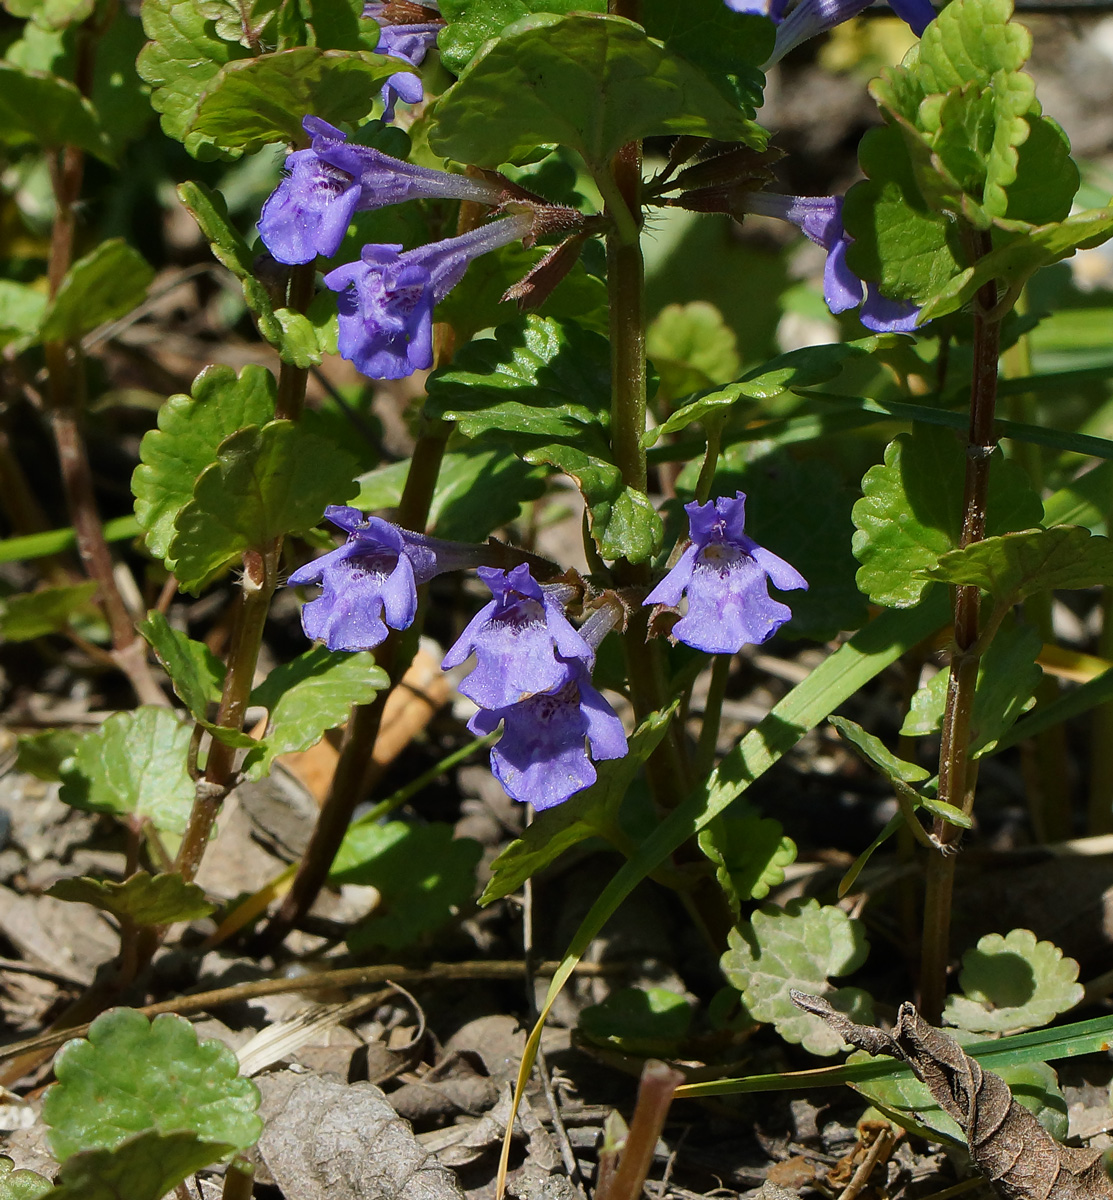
x=21, y=1185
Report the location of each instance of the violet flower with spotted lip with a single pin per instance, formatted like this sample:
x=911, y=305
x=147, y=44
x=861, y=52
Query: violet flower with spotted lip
x=725, y=576
x=409, y=41
x=819, y=218
x=324, y=187
x=812, y=17
x=541, y=758
x=521, y=639
x=371, y=581
x=386, y=300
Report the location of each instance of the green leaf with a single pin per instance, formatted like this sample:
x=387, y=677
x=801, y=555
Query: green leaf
x=799, y=946
x=1046, y=176
x=1012, y=983
x=589, y=82
x=146, y=1167
x=42, y=754
x=107, y=283
x=143, y=898
x=21, y=313
x=875, y=752
x=1014, y=566
x=180, y=61
x=911, y=512
x=473, y=22
x=101, y=1097
x=51, y=14
x=134, y=765
x=638, y=1021
x=340, y=25
x=305, y=697
x=422, y=872
x=691, y=347
x=299, y=340
x=120, y=97
x=190, y=431
x=38, y=107
x=196, y=673
x=587, y=814
x=1008, y=675
x=750, y=853
x=21, y=1185
x=49, y=610
x=266, y=482
x=252, y=102
x=542, y=388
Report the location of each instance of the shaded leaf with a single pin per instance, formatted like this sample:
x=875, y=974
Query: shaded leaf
x=422, y=872
x=42, y=754
x=195, y=671
x=586, y=814
x=145, y=1167
x=647, y=1021
x=911, y=512
x=134, y=764
x=21, y=312
x=266, y=482
x=797, y=947
x=49, y=610
x=190, y=431
x=1011, y=983
x=590, y=82
x=691, y=347
x=38, y=107
x=750, y=853
x=144, y=899
x=252, y=102
x=305, y=697
x=107, y=283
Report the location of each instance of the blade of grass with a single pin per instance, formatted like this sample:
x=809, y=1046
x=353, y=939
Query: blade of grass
x=53, y=541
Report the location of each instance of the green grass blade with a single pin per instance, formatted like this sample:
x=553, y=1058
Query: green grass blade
x=54, y=541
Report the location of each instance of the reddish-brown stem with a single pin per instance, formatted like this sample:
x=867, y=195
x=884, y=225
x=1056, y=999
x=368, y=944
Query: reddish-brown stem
x=658, y=1084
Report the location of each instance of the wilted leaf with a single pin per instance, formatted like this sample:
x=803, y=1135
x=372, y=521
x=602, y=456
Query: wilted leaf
x=102, y=1097
x=143, y=898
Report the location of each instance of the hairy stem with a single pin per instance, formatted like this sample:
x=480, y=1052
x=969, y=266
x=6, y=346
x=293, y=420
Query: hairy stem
x=956, y=778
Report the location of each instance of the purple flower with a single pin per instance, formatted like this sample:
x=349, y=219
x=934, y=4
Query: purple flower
x=325, y=186
x=409, y=41
x=812, y=17
x=541, y=758
x=725, y=575
x=386, y=300
x=522, y=641
x=820, y=219
x=371, y=581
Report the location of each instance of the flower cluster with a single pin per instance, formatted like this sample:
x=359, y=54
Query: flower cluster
x=725, y=576
x=402, y=36
x=533, y=676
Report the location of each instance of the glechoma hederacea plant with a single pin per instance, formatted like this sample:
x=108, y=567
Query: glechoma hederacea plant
x=465, y=204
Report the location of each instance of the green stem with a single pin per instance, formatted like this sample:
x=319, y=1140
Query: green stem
x=712, y=715
x=956, y=778
x=714, y=430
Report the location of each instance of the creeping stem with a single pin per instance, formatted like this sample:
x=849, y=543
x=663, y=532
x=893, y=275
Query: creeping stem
x=957, y=775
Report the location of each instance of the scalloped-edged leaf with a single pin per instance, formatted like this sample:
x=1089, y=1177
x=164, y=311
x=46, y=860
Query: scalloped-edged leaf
x=143, y=898
x=107, y=283
x=1012, y=983
x=21, y=1185
x=38, y=107
x=875, y=752
x=471, y=23
x=542, y=387
x=266, y=482
x=183, y=56
x=252, y=102
x=587, y=814
x=305, y=697
x=1046, y=175
x=423, y=873
x=51, y=14
x=750, y=853
x=691, y=347
x=134, y=765
x=101, y=1097
x=799, y=946
x=909, y=1103
x=195, y=671
x=1037, y=560
x=190, y=431
x=30, y=615
x=146, y=1167
x=646, y=1021
x=910, y=514
x=1008, y=675
x=300, y=339
x=479, y=489
x=590, y=82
